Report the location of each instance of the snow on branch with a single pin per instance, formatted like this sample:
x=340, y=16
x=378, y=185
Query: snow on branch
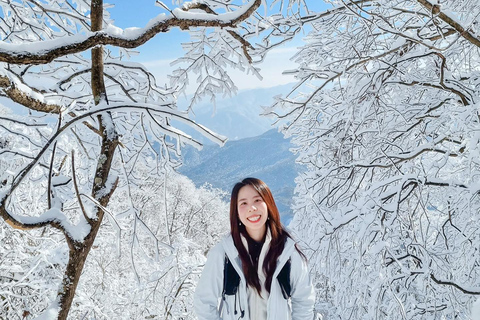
x=435, y=10
x=56, y=218
x=47, y=51
x=52, y=217
x=27, y=97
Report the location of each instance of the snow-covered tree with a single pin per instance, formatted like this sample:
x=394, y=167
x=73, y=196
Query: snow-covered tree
x=90, y=117
x=148, y=271
x=146, y=282
x=385, y=117
x=128, y=275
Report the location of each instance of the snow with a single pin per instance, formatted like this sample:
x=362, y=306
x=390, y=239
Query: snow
x=166, y=111
x=379, y=246
x=476, y=310
x=114, y=30
x=41, y=47
x=134, y=32
x=224, y=17
x=220, y=139
x=398, y=42
x=359, y=219
x=51, y=313
x=26, y=90
x=112, y=177
x=76, y=232
x=3, y=194
x=60, y=180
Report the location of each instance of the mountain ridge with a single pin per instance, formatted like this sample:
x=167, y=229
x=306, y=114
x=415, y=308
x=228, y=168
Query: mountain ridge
x=236, y=117
x=266, y=157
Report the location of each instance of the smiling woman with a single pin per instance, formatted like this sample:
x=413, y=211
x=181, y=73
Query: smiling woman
x=252, y=212
x=272, y=272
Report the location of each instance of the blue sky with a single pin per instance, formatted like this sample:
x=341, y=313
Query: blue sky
x=136, y=13
x=160, y=51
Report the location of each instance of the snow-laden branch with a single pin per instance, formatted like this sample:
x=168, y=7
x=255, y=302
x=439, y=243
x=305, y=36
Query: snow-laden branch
x=152, y=110
x=24, y=95
x=330, y=77
x=52, y=217
x=47, y=51
x=436, y=10
x=385, y=119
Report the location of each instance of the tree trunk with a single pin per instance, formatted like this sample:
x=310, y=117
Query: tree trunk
x=78, y=252
x=98, y=84
x=76, y=260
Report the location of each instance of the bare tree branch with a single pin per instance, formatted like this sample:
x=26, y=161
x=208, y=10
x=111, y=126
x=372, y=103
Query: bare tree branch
x=453, y=284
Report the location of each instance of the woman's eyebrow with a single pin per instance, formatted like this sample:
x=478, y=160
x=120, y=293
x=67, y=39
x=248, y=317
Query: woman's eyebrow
x=254, y=197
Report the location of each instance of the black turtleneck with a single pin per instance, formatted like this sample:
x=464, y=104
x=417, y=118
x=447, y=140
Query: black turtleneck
x=254, y=249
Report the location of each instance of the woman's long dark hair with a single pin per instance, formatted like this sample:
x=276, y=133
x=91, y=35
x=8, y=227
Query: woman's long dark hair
x=278, y=233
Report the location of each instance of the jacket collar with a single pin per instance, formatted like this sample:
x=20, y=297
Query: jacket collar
x=232, y=253
x=266, y=244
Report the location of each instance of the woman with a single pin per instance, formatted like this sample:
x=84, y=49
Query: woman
x=274, y=280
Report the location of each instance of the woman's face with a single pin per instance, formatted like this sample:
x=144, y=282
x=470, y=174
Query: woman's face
x=252, y=211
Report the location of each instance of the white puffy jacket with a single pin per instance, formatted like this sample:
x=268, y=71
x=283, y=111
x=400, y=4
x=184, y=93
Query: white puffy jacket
x=208, y=293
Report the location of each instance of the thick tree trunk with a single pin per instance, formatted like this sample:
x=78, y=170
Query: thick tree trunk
x=76, y=260
x=79, y=250
x=98, y=84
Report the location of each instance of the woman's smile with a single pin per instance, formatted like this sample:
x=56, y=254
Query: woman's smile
x=255, y=218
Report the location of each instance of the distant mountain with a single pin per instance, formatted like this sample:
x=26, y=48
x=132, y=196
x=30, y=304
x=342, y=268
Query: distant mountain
x=266, y=157
x=236, y=117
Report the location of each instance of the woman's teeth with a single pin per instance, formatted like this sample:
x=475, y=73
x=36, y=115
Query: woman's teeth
x=254, y=218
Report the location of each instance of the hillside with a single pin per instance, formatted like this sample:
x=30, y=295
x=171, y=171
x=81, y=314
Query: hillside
x=236, y=117
x=266, y=157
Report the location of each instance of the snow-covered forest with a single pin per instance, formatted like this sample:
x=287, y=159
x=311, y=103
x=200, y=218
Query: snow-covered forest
x=97, y=224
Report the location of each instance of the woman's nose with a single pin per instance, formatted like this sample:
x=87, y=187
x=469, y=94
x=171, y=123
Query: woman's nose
x=252, y=208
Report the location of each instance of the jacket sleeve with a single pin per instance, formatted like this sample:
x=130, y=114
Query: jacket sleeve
x=303, y=293
x=209, y=287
